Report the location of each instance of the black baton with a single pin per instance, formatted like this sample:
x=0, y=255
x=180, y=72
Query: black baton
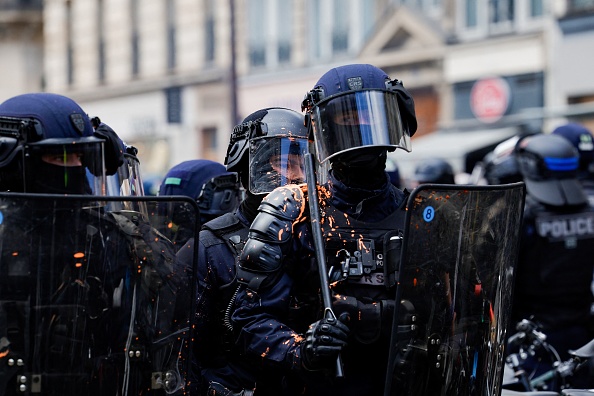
x=314, y=214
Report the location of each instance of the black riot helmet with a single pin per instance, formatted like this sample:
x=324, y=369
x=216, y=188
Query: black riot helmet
x=47, y=145
x=215, y=190
x=549, y=165
x=434, y=170
x=267, y=149
x=501, y=165
x=355, y=107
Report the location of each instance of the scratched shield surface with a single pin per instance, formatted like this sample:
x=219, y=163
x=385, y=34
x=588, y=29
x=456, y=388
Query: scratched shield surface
x=455, y=288
x=92, y=298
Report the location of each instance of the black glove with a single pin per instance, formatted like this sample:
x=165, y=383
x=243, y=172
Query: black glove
x=114, y=148
x=323, y=342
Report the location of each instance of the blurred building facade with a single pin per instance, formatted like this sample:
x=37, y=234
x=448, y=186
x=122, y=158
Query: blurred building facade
x=166, y=76
x=21, y=47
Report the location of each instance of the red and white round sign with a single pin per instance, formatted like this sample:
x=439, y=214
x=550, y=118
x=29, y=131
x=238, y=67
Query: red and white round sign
x=489, y=99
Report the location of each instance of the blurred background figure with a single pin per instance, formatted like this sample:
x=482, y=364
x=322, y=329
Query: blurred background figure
x=434, y=170
x=555, y=263
x=215, y=190
x=500, y=165
x=394, y=173
x=582, y=140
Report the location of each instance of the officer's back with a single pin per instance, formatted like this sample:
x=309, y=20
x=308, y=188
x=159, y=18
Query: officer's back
x=555, y=265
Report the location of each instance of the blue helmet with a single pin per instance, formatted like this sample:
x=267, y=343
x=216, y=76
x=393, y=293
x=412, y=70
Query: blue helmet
x=49, y=140
x=582, y=140
x=549, y=165
x=357, y=106
x=215, y=190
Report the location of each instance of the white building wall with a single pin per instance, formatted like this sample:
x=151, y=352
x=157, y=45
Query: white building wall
x=505, y=57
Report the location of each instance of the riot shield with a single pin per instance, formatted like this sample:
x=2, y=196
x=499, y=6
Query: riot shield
x=460, y=249
x=92, y=300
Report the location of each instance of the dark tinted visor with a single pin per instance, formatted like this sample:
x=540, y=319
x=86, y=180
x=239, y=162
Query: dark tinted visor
x=357, y=119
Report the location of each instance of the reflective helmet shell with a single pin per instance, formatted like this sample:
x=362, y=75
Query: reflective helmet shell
x=549, y=165
x=266, y=122
x=357, y=105
x=434, y=170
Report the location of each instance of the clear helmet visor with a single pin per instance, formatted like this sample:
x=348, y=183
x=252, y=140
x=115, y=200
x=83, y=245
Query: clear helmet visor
x=126, y=182
x=276, y=161
x=65, y=166
x=357, y=119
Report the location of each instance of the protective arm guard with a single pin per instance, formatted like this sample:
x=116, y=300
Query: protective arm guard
x=270, y=236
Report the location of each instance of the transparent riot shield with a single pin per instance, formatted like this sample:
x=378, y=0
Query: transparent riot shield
x=92, y=300
x=460, y=249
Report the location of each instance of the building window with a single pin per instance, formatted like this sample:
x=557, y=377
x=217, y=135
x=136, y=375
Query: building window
x=174, y=105
x=209, y=143
x=69, y=46
x=284, y=31
x=340, y=27
x=257, y=34
x=209, y=31
x=171, y=33
x=471, y=20
x=536, y=8
x=477, y=19
x=101, y=40
x=502, y=11
x=135, y=38
x=270, y=27
x=577, y=6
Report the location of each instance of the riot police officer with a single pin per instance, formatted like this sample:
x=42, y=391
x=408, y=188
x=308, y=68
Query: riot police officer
x=500, y=165
x=215, y=190
x=266, y=150
x=582, y=140
x=356, y=115
x=85, y=293
x=433, y=170
x=555, y=264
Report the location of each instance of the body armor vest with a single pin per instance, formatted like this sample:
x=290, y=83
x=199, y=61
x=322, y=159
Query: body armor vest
x=229, y=229
x=556, y=265
x=363, y=253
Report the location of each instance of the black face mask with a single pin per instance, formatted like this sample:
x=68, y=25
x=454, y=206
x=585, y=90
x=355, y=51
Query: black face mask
x=55, y=179
x=361, y=168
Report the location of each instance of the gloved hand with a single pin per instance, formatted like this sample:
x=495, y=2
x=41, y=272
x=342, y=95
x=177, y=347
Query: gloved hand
x=323, y=342
x=114, y=148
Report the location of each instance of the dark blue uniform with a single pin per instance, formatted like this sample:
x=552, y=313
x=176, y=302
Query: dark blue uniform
x=220, y=242
x=273, y=319
x=555, y=273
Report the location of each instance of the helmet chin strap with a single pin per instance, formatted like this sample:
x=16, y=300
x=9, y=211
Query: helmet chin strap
x=361, y=168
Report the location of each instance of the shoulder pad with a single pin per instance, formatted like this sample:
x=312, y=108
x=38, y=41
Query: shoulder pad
x=228, y=220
